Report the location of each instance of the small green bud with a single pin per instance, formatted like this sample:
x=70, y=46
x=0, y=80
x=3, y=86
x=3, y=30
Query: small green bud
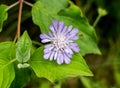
x=102, y=12
x=24, y=65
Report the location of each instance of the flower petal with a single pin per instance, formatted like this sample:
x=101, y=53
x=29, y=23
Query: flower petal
x=60, y=58
x=55, y=56
x=50, y=34
x=72, y=37
x=49, y=46
x=66, y=59
x=43, y=36
x=54, y=26
x=68, y=54
x=61, y=26
x=47, y=55
x=74, y=31
x=46, y=51
x=52, y=55
x=68, y=50
x=74, y=47
x=46, y=40
x=68, y=29
x=52, y=29
x=64, y=29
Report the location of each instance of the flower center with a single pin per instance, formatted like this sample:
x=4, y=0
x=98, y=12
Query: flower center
x=59, y=41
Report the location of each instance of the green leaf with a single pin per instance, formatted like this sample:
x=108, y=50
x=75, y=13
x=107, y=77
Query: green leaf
x=52, y=71
x=55, y=5
x=7, y=74
x=40, y=17
x=43, y=17
x=23, y=48
x=72, y=11
x=86, y=34
x=3, y=15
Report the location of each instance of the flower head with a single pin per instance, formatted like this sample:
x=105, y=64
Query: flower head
x=61, y=40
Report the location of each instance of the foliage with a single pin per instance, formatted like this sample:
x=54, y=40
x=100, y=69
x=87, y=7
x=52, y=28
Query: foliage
x=23, y=47
x=7, y=73
x=22, y=64
x=53, y=72
x=3, y=16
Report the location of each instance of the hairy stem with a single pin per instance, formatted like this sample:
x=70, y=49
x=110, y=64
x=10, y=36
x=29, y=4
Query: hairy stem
x=11, y=6
x=19, y=18
x=27, y=3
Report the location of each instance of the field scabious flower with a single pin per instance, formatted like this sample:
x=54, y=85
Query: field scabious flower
x=61, y=40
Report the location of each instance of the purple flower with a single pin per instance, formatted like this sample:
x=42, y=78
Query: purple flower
x=61, y=40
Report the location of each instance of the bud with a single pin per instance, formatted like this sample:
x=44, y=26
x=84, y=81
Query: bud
x=102, y=12
x=24, y=65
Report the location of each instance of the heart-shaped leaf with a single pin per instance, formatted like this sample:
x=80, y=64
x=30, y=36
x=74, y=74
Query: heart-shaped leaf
x=43, y=17
x=52, y=71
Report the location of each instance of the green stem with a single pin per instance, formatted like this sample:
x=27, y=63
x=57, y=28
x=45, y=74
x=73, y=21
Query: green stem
x=15, y=38
x=13, y=60
x=27, y=3
x=11, y=6
x=97, y=20
x=19, y=18
x=37, y=43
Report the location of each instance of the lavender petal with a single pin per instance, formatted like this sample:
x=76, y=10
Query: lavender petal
x=68, y=50
x=44, y=36
x=74, y=47
x=55, y=56
x=49, y=47
x=46, y=51
x=46, y=56
x=61, y=26
x=60, y=58
x=68, y=29
x=73, y=37
x=66, y=59
x=74, y=31
x=64, y=29
x=55, y=24
x=52, y=55
x=53, y=29
x=50, y=34
x=46, y=40
x=67, y=54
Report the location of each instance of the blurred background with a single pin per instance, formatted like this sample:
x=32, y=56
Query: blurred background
x=105, y=67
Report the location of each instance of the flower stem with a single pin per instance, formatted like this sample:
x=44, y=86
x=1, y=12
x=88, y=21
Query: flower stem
x=97, y=20
x=11, y=6
x=19, y=18
x=27, y=3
